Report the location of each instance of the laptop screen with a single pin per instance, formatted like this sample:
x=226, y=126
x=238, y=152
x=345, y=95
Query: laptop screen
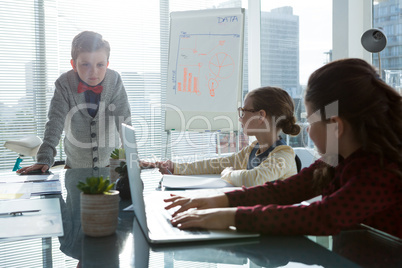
x=134, y=175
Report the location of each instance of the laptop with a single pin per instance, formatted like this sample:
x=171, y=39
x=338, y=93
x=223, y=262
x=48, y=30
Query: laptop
x=149, y=210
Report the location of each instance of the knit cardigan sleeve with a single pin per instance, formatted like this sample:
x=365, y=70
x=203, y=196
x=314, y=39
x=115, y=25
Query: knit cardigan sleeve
x=280, y=164
x=121, y=106
x=215, y=165
x=58, y=110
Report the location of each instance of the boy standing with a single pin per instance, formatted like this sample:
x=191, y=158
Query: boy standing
x=89, y=104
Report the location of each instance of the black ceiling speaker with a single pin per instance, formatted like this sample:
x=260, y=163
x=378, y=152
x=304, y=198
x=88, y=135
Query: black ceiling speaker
x=374, y=41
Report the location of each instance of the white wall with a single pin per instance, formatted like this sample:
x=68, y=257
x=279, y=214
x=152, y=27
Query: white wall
x=254, y=46
x=351, y=18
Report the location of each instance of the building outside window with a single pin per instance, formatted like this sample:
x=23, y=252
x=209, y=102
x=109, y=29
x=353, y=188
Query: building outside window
x=296, y=39
x=387, y=16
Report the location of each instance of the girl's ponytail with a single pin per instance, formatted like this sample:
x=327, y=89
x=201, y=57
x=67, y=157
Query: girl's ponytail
x=277, y=103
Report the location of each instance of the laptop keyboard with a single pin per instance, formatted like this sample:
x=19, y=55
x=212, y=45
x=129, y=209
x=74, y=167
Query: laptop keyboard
x=195, y=231
x=162, y=217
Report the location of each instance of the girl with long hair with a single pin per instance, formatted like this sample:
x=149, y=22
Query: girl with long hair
x=356, y=124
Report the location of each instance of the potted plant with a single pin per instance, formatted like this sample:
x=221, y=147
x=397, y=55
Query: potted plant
x=122, y=183
x=116, y=157
x=99, y=206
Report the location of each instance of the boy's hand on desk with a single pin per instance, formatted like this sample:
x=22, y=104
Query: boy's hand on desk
x=215, y=218
x=185, y=203
x=43, y=168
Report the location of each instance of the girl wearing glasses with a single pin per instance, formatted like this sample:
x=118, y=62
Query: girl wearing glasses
x=267, y=111
x=364, y=132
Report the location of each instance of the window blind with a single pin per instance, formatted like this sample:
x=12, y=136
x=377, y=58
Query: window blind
x=23, y=76
x=35, y=44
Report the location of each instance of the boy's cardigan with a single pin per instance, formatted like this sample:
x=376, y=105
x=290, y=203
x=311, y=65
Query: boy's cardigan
x=88, y=140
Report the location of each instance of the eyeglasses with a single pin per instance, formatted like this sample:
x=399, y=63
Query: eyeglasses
x=242, y=111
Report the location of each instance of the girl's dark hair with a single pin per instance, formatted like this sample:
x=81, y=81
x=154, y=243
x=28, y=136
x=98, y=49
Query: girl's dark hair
x=88, y=41
x=277, y=103
x=373, y=108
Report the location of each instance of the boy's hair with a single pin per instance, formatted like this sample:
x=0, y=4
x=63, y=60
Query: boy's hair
x=373, y=108
x=277, y=103
x=88, y=41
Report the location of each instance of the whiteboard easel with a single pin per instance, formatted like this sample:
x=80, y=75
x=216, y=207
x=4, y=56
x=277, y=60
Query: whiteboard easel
x=205, y=70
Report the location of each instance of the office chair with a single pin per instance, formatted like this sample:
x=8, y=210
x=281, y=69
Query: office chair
x=26, y=146
x=298, y=164
x=304, y=157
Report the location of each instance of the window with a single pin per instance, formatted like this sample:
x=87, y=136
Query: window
x=296, y=39
x=24, y=91
x=35, y=49
x=386, y=16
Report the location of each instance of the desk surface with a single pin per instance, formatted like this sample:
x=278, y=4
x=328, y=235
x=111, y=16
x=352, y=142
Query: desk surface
x=129, y=248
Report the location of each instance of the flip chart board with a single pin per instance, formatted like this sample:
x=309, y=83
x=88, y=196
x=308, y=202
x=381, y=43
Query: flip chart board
x=205, y=70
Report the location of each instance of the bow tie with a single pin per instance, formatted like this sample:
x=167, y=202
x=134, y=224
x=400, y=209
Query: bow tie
x=96, y=89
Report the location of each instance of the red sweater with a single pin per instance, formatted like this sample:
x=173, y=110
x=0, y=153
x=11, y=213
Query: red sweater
x=360, y=192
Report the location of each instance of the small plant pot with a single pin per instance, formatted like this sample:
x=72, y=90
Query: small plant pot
x=99, y=213
x=114, y=163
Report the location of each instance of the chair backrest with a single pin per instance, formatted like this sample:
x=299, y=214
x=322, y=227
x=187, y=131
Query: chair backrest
x=298, y=163
x=306, y=156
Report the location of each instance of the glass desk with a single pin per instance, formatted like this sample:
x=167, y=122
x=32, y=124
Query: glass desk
x=129, y=248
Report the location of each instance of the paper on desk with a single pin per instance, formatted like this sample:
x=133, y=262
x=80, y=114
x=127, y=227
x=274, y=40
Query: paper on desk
x=194, y=181
x=19, y=190
x=46, y=187
x=13, y=177
x=45, y=223
x=23, y=190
